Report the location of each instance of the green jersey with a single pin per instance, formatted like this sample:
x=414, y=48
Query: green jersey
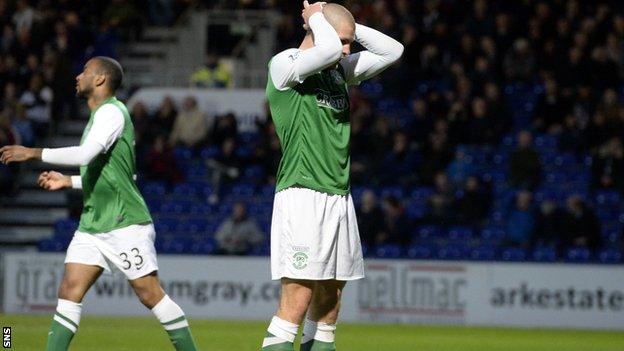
x=111, y=197
x=312, y=120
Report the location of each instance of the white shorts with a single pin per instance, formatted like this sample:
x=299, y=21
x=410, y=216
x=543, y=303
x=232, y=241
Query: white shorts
x=314, y=236
x=130, y=249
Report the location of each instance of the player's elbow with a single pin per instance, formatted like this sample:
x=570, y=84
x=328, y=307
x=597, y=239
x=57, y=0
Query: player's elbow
x=396, y=52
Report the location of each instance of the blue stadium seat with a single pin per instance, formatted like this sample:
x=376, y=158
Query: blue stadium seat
x=429, y=231
x=460, y=233
x=53, y=245
x=65, y=228
x=610, y=255
x=422, y=193
x=264, y=249
x=453, y=252
x=608, y=197
x=184, y=191
x=388, y=251
x=182, y=153
x=173, y=245
x=492, y=234
x=483, y=253
x=202, y=246
x=165, y=224
x=209, y=152
x=156, y=189
x=544, y=254
x=422, y=251
x=513, y=254
x=578, y=254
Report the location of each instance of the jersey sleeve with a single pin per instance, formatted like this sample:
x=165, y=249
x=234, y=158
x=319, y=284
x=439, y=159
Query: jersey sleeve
x=293, y=66
x=108, y=124
x=381, y=51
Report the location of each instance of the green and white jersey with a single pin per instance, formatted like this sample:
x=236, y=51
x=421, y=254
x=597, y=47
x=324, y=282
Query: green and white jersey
x=312, y=123
x=111, y=197
x=307, y=92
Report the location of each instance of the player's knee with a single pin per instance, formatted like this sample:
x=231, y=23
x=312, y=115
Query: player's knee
x=149, y=296
x=71, y=289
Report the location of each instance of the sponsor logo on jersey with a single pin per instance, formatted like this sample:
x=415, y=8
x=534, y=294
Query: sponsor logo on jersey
x=337, y=102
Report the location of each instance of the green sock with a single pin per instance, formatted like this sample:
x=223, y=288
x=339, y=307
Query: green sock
x=280, y=335
x=59, y=337
x=317, y=345
x=181, y=338
x=280, y=346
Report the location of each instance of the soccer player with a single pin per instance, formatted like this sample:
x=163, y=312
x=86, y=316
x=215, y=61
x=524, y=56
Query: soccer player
x=115, y=225
x=315, y=244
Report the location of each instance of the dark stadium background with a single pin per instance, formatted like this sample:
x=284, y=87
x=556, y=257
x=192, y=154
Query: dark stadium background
x=497, y=137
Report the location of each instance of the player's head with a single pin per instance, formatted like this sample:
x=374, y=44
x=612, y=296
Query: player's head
x=342, y=20
x=99, y=73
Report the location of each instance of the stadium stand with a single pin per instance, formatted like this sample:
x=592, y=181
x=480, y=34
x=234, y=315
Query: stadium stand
x=498, y=137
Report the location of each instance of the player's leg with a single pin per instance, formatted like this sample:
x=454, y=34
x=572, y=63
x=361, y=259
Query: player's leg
x=320, y=325
x=168, y=313
x=77, y=280
x=327, y=294
x=295, y=298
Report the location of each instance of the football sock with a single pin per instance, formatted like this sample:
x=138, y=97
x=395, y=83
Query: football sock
x=172, y=318
x=280, y=335
x=64, y=325
x=309, y=329
x=318, y=336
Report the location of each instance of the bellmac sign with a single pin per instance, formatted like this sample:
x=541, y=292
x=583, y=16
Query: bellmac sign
x=394, y=291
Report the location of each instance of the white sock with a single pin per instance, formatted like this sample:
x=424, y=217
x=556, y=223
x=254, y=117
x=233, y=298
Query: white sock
x=282, y=331
x=169, y=314
x=68, y=314
x=309, y=330
x=325, y=332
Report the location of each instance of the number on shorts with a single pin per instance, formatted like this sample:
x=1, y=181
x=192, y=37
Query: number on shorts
x=138, y=259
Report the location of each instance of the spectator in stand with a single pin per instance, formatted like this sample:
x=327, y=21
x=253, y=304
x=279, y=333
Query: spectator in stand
x=214, y=74
x=142, y=125
x=38, y=102
x=549, y=226
x=519, y=61
x=401, y=160
x=551, y=109
x=441, y=204
x=226, y=127
x=238, y=233
x=165, y=116
x=161, y=163
x=226, y=166
x=608, y=166
x=461, y=167
x=191, y=125
x=396, y=224
x=370, y=219
x=520, y=221
x=524, y=163
x=582, y=227
x=473, y=205
x=436, y=156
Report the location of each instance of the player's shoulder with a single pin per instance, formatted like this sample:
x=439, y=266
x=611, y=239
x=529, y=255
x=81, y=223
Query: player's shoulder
x=110, y=111
x=284, y=57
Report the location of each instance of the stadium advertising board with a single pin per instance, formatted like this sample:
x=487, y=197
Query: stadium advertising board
x=204, y=287
x=394, y=291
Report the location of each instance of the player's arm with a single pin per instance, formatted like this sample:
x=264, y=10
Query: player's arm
x=107, y=127
x=54, y=181
x=288, y=69
x=381, y=51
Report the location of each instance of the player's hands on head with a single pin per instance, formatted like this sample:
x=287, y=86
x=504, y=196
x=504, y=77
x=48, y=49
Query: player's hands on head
x=309, y=10
x=16, y=153
x=53, y=181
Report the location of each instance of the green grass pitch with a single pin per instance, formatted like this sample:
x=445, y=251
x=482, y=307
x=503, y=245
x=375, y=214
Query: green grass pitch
x=143, y=334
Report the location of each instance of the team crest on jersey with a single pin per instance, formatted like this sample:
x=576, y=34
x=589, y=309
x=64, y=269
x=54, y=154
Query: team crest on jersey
x=337, y=76
x=300, y=260
x=338, y=102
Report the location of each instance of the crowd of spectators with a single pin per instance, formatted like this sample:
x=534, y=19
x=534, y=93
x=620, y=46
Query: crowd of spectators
x=477, y=79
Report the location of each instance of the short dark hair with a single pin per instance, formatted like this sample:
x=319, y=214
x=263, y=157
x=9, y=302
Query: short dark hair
x=113, y=71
